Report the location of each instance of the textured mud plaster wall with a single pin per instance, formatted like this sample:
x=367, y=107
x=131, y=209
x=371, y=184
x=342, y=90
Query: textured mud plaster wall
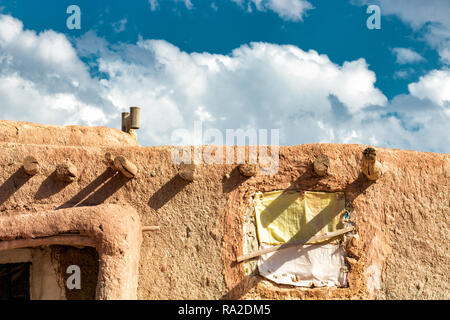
x=402, y=219
x=402, y=222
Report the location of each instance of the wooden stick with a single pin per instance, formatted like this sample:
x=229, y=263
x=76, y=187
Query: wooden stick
x=31, y=165
x=370, y=165
x=321, y=165
x=295, y=243
x=125, y=166
x=151, y=228
x=66, y=240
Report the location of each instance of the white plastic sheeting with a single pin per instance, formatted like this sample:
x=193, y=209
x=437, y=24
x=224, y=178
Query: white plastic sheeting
x=305, y=266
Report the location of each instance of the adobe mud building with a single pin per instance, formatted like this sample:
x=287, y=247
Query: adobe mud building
x=63, y=202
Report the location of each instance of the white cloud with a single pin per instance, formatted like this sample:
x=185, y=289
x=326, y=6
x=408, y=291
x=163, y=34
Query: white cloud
x=187, y=3
x=293, y=10
x=434, y=86
x=42, y=75
x=153, y=4
x=444, y=53
x=407, y=56
x=23, y=100
x=403, y=73
x=120, y=25
x=262, y=86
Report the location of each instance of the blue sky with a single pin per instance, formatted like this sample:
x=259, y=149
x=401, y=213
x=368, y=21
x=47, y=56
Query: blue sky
x=387, y=87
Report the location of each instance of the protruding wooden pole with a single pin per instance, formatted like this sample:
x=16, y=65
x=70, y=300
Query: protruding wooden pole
x=370, y=165
x=31, y=165
x=125, y=166
x=321, y=165
x=66, y=171
x=109, y=160
x=248, y=169
x=315, y=238
x=150, y=228
x=65, y=240
x=188, y=172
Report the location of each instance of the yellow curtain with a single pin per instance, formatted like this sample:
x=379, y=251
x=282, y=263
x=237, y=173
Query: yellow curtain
x=283, y=216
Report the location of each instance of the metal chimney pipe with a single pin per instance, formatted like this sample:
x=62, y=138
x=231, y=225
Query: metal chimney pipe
x=135, y=117
x=125, y=121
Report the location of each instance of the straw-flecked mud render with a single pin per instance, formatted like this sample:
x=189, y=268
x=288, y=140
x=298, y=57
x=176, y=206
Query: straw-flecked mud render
x=402, y=218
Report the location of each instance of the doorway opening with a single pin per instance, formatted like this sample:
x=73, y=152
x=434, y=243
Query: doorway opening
x=15, y=281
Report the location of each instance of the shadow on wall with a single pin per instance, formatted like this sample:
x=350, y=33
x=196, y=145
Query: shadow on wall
x=310, y=181
x=49, y=187
x=278, y=205
x=167, y=192
x=177, y=184
x=88, y=189
x=357, y=187
x=14, y=183
x=234, y=181
x=110, y=183
x=244, y=286
x=95, y=193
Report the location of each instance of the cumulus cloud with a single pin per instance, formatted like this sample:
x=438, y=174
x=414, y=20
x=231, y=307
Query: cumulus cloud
x=42, y=75
x=434, y=86
x=406, y=56
x=257, y=86
x=23, y=100
x=293, y=10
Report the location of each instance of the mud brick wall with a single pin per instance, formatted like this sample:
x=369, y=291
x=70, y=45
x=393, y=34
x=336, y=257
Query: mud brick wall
x=402, y=219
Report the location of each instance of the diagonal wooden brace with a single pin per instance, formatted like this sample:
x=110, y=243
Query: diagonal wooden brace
x=294, y=243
